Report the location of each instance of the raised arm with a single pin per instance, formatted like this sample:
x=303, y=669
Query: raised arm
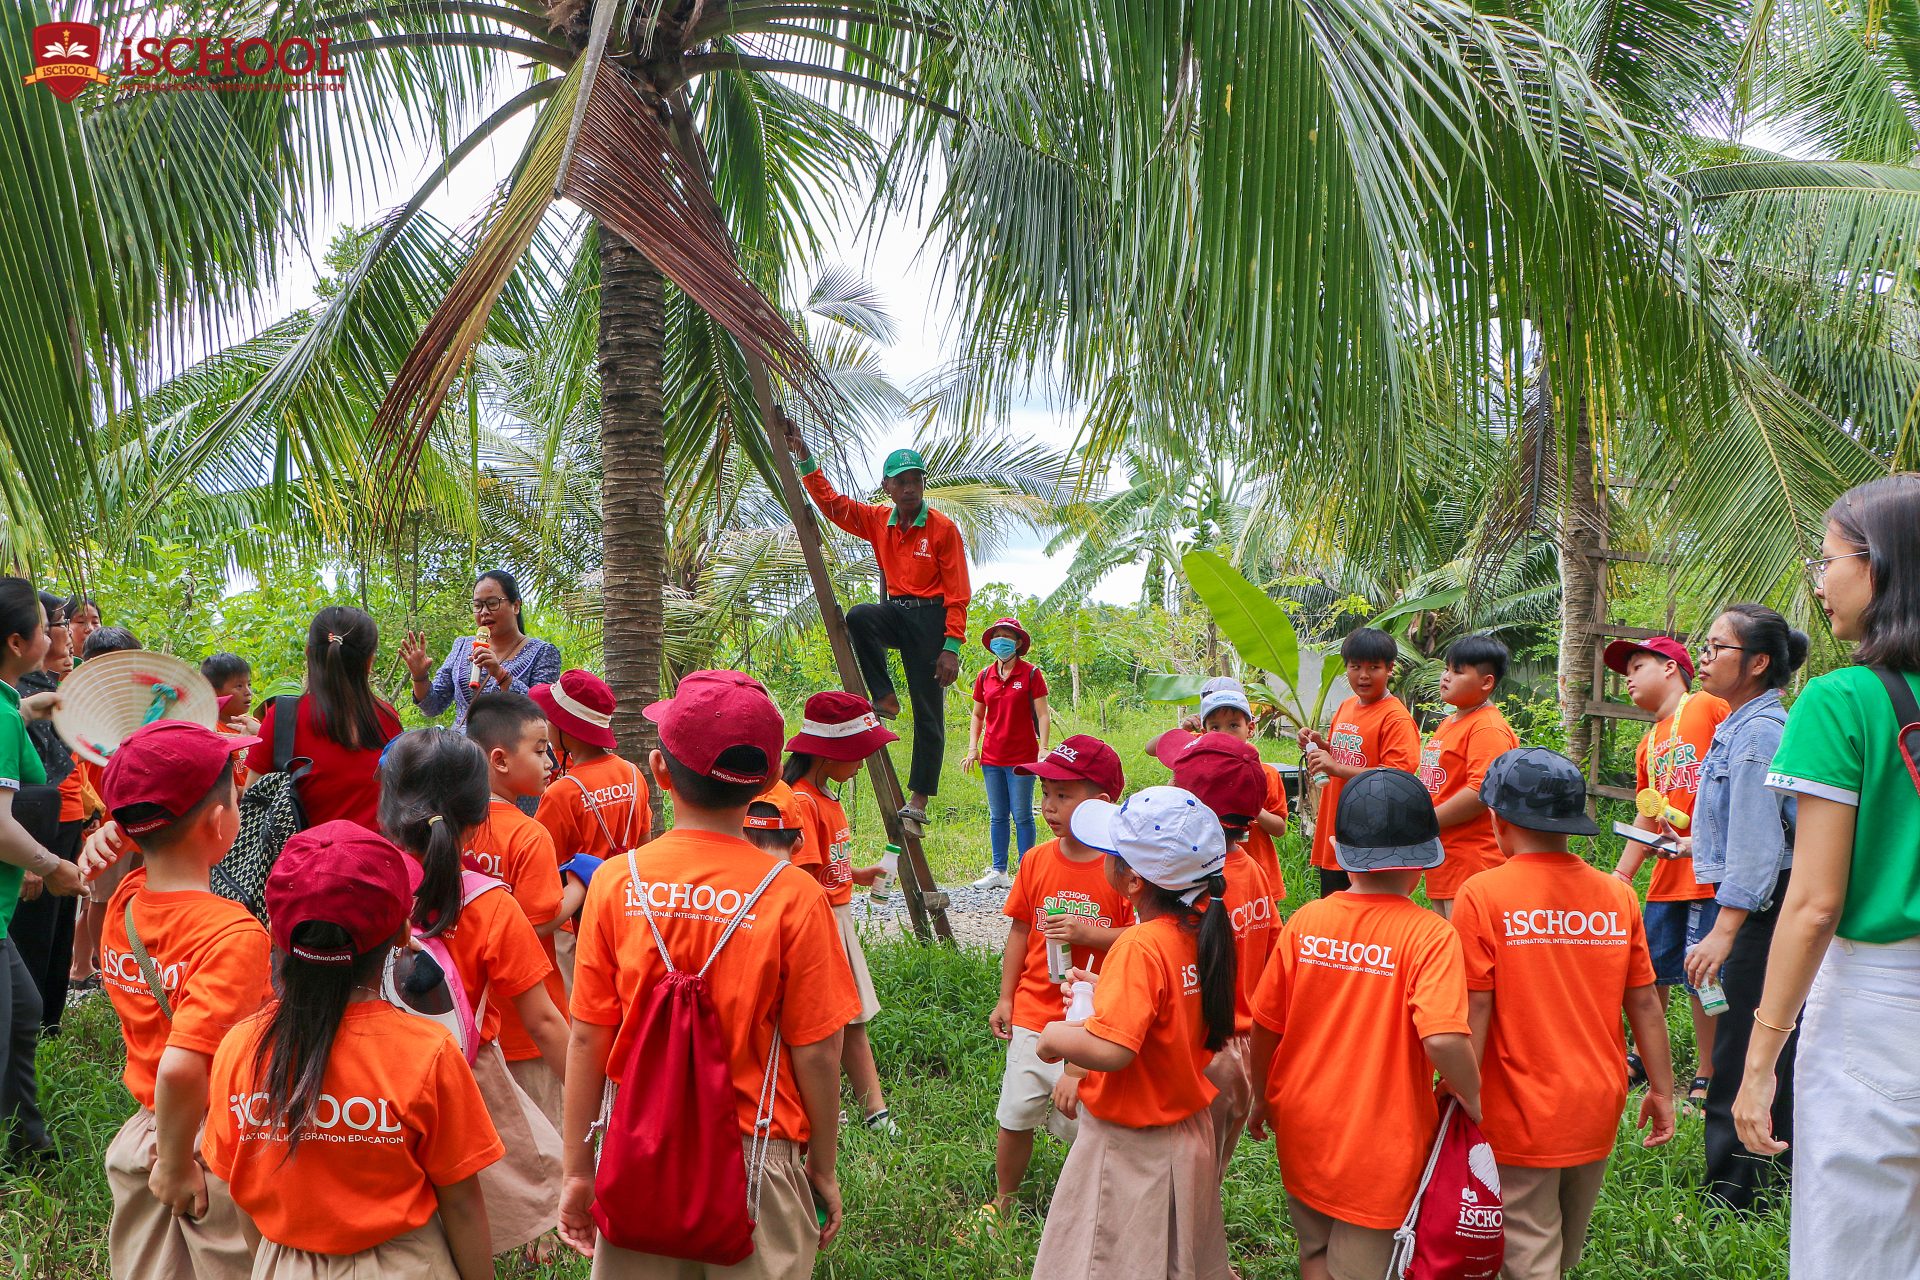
x=433, y=698
x=857, y=518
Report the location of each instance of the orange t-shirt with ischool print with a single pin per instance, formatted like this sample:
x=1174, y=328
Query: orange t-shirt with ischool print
x=1048, y=878
x=514, y=849
x=1256, y=925
x=1260, y=846
x=1668, y=760
x=1456, y=758
x=827, y=849
x=1364, y=735
x=1148, y=999
x=616, y=788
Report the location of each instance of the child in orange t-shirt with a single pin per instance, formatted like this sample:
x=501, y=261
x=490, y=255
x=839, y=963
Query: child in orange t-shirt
x=1680, y=911
x=1555, y=952
x=1060, y=893
x=515, y=849
x=1365, y=997
x=1227, y=776
x=433, y=795
x=1371, y=728
x=170, y=787
x=351, y=1130
x=232, y=679
x=1455, y=759
x=1140, y=1192
x=596, y=806
x=1224, y=709
x=781, y=972
x=837, y=732
x=777, y=823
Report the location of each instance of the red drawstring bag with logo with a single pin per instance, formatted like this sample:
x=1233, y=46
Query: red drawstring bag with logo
x=670, y=1181
x=1456, y=1227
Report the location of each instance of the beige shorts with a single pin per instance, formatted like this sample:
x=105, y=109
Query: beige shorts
x=421, y=1254
x=1026, y=1090
x=1228, y=1074
x=1353, y=1253
x=1547, y=1212
x=145, y=1239
x=857, y=958
x=537, y=1080
x=522, y=1187
x=1137, y=1204
x=786, y=1237
x=563, y=959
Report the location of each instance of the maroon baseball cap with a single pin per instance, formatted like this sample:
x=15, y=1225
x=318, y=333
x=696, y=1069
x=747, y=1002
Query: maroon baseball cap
x=342, y=874
x=581, y=703
x=169, y=764
x=1081, y=758
x=721, y=724
x=1223, y=771
x=1666, y=648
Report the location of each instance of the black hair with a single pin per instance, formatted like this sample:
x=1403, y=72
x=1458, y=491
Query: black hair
x=1369, y=644
x=780, y=838
x=1219, y=965
x=76, y=602
x=340, y=646
x=109, y=640
x=136, y=814
x=54, y=605
x=290, y=1058
x=433, y=791
x=498, y=719
x=701, y=792
x=19, y=609
x=1764, y=633
x=222, y=667
x=1883, y=516
x=799, y=764
x=510, y=588
x=1481, y=651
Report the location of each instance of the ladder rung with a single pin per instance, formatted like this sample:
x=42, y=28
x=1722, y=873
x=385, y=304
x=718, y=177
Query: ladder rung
x=1618, y=711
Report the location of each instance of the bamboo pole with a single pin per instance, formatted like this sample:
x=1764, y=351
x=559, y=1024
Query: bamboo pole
x=926, y=905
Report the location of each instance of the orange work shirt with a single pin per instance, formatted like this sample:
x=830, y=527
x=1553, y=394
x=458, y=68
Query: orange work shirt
x=513, y=848
x=1355, y=984
x=1558, y=944
x=1049, y=878
x=498, y=955
x=1364, y=735
x=1148, y=999
x=212, y=957
x=1455, y=759
x=921, y=558
x=1260, y=845
x=399, y=1115
x=826, y=848
x=1668, y=760
x=785, y=966
x=1256, y=925
x=612, y=786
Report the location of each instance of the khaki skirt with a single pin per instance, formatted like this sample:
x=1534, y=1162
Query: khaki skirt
x=145, y=1239
x=421, y=1254
x=1136, y=1204
x=857, y=958
x=1228, y=1073
x=522, y=1187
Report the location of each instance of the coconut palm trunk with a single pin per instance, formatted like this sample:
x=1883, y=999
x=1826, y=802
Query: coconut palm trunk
x=633, y=485
x=1581, y=532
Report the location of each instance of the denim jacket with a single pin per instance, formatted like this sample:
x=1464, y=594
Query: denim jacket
x=1742, y=832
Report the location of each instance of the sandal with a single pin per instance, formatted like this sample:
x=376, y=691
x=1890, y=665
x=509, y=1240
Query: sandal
x=1696, y=1100
x=913, y=821
x=1636, y=1071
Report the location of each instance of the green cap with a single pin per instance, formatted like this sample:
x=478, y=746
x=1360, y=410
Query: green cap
x=903, y=460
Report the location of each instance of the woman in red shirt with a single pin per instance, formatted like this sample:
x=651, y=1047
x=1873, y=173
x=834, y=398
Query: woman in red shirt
x=342, y=727
x=1010, y=727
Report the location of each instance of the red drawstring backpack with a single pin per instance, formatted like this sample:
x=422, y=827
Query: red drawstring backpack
x=670, y=1180
x=1456, y=1227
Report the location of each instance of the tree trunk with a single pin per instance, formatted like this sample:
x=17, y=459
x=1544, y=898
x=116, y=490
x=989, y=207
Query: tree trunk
x=1582, y=535
x=633, y=550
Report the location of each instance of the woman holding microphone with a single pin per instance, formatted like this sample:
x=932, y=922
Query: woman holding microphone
x=499, y=656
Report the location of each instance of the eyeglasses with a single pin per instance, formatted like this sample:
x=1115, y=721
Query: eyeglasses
x=488, y=606
x=1817, y=567
x=1712, y=649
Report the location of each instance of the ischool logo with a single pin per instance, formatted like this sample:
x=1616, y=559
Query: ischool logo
x=701, y=901
x=354, y=1119
x=1341, y=953
x=1549, y=924
x=68, y=61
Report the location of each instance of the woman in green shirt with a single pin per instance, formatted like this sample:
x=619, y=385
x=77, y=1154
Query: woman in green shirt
x=1847, y=943
x=23, y=643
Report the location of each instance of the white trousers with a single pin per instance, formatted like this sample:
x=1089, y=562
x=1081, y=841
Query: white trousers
x=1856, y=1117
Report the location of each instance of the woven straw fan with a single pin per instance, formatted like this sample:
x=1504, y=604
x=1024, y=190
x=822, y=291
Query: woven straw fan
x=110, y=696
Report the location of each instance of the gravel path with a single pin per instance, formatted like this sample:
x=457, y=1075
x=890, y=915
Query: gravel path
x=975, y=915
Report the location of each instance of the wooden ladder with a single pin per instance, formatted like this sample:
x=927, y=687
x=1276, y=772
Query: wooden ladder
x=1605, y=631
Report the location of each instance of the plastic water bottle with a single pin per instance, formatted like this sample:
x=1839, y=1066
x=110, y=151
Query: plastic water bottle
x=882, y=887
x=1059, y=953
x=1713, y=999
x=1080, y=1008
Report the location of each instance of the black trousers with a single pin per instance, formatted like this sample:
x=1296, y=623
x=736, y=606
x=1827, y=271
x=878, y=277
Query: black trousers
x=1333, y=881
x=1736, y=1176
x=918, y=629
x=43, y=930
x=19, y=1042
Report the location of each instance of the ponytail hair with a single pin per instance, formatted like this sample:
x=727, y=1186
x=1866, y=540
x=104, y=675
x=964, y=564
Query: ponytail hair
x=1219, y=963
x=1764, y=632
x=340, y=647
x=291, y=1055
x=433, y=791
x=799, y=764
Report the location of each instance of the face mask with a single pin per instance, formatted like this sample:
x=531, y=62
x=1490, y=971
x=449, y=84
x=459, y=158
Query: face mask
x=1003, y=647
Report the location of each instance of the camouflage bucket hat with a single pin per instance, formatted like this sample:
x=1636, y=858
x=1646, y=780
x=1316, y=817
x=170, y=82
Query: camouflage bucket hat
x=1385, y=822
x=1540, y=790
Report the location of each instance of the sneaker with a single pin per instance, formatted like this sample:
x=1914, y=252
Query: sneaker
x=994, y=880
x=881, y=1122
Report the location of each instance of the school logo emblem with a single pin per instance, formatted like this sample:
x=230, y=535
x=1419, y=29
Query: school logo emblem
x=922, y=550
x=66, y=58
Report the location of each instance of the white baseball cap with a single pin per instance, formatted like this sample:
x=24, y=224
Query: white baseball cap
x=1164, y=833
x=1223, y=691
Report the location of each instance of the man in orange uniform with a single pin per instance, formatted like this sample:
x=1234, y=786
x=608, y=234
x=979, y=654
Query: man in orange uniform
x=922, y=611
x=1680, y=910
x=1371, y=728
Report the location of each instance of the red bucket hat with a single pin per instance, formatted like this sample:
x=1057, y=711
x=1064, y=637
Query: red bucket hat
x=169, y=764
x=1081, y=758
x=581, y=703
x=1666, y=648
x=840, y=726
x=343, y=874
x=1023, y=640
x=713, y=713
